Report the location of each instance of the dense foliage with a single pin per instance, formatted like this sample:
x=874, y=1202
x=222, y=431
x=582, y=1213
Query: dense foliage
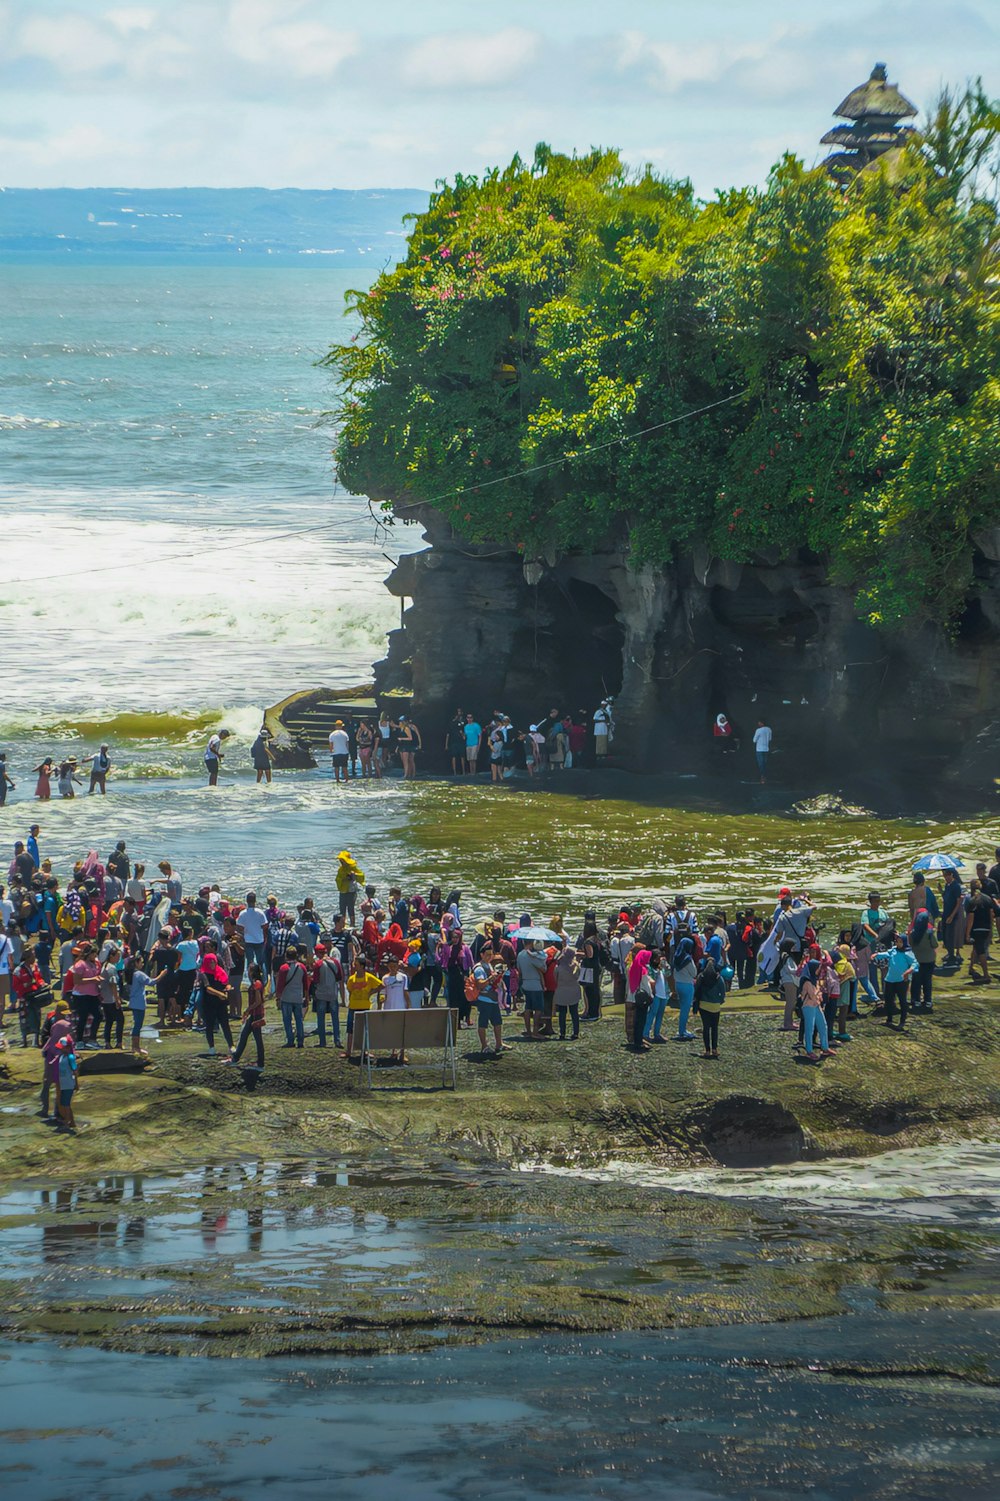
x=547, y=312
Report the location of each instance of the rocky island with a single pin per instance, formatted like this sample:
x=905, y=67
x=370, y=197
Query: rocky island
x=737, y=456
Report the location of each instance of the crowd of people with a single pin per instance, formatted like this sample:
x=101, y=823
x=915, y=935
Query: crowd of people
x=78, y=957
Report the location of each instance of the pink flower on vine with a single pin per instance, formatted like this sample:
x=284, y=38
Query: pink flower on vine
x=444, y=252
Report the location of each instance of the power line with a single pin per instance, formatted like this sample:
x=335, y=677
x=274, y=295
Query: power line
x=434, y=500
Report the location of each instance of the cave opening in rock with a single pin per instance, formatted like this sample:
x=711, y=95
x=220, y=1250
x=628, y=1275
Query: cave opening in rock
x=569, y=647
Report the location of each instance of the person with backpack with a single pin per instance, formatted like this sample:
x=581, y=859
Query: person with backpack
x=325, y=985
x=709, y=999
x=32, y=996
x=291, y=987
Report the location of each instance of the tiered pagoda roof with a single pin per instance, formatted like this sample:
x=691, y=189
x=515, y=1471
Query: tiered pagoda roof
x=875, y=110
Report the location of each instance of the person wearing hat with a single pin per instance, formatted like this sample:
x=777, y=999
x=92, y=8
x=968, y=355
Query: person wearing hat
x=262, y=755
x=340, y=746
x=603, y=730
x=57, y=1024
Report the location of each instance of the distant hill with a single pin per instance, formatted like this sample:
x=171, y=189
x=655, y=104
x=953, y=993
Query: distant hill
x=361, y=228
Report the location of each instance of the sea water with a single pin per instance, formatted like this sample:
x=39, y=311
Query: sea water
x=176, y=548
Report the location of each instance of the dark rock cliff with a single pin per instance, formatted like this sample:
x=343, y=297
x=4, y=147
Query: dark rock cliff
x=916, y=716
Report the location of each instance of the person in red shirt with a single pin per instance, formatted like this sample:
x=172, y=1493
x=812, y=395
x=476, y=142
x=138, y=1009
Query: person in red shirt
x=253, y=1019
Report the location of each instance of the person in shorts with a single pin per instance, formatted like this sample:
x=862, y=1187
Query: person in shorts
x=531, y=965
x=979, y=927
x=490, y=980
x=340, y=746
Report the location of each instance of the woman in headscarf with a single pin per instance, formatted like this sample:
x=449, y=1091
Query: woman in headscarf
x=813, y=1020
x=685, y=970
x=923, y=944
x=709, y=999
x=452, y=905
x=56, y=1025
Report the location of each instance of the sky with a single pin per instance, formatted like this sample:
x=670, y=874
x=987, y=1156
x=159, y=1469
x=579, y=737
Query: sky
x=400, y=93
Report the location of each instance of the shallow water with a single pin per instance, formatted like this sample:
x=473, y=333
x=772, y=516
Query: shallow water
x=875, y=1400
x=954, y=1183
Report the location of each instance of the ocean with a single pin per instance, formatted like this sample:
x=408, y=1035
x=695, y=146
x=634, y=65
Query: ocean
x=175, y=541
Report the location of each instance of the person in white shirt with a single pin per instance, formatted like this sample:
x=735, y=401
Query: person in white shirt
x=340, y=744
x=396, y=990
x=762, y=747
x=252, y=923
x=603, y=729
x=213, y=756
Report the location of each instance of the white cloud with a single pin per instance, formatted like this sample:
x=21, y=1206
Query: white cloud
x=71, y=43
x=470, y=60
x=131, y=18
x=258, y=33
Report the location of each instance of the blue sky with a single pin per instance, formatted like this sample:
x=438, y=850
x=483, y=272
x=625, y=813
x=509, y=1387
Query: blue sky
x=324, y=93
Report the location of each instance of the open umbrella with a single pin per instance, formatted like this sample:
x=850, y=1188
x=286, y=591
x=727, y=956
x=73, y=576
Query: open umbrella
x=546, y=935
x=938, y=862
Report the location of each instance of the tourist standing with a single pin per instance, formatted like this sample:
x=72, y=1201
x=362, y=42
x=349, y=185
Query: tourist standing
x=709, y=998
x=100, y=765
x=953, y=925
x=923, y=944
x=603, y=730
x=325, y=986
x=531, y=966
x=340, y=745
x=291, y=992
x=978, y=930
x=900, y=963
x=473, y=733
x=252, y=924
x=685, y=971
x=762, y=747
x=214, y=756
x=43, y=787
x=261, y=755
x=567, y=993
x=5, y=780
x=409, y=743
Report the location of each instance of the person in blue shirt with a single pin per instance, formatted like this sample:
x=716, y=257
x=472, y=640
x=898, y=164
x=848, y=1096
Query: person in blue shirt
x=68, y=1083
x=900, y=963
x=33, y=834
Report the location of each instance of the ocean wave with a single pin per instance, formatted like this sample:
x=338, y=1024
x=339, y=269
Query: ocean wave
x=168, y=726
x=148, y=772
x=18, y=422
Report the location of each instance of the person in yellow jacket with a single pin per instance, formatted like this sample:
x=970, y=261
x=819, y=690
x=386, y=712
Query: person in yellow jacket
x=350, y=879
x=361, y=986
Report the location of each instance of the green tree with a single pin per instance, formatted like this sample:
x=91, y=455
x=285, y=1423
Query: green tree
x=573, y=354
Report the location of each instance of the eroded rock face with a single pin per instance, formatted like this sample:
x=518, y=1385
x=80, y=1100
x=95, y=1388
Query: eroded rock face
x=850, y=708
x=743, y=1131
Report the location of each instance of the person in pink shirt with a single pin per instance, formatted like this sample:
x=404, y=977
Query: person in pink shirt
x=86, y=981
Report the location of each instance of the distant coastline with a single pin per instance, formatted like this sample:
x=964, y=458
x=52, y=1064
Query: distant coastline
x=205, y=226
